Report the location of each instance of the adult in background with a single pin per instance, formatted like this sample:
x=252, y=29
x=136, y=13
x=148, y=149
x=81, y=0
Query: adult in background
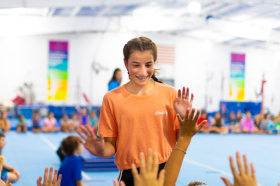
x=4, y=122
x=49, y=123
x=115, y=80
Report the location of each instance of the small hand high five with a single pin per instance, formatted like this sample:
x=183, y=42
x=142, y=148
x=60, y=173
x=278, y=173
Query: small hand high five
x=182, y=102
x=93, y=144
x=50, y=180
x=188, y=125
x=244, y=178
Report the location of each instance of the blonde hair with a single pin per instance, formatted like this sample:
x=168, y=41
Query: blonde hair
x=195, y=183
x=2, y=160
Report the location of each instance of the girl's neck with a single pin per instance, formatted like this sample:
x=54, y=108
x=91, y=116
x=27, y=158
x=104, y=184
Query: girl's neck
x=135, y=89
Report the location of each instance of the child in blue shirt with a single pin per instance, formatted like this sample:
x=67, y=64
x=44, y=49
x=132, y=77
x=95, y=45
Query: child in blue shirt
x=21, y=126
x=71, y=166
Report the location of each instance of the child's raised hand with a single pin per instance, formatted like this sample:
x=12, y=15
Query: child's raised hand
x=188, y=125
x=93, y=144
x=182, y=102
x=148, y=173
x=49, y=180
x=243, y=178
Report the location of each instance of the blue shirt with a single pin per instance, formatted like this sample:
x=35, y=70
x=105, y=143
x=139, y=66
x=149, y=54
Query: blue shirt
x=71, y=170
x=113, y=84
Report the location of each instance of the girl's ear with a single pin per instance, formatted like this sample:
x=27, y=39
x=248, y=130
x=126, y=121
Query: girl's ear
x=125, y=63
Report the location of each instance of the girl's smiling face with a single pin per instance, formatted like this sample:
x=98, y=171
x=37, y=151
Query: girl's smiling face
x=140, y=66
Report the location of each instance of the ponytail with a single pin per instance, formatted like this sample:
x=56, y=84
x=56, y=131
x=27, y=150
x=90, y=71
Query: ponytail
x=154, y=76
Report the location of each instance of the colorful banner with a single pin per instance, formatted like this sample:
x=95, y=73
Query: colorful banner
x=237, y=77
x=57, y=71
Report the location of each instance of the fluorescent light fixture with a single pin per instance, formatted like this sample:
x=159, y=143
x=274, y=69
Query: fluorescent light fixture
x=194, y=7
x=207, y=45
x=24, y=11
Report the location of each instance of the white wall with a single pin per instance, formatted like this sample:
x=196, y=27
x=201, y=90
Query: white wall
x=27, y=62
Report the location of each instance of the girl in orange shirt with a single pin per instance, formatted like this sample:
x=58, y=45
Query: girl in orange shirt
x=138, y=115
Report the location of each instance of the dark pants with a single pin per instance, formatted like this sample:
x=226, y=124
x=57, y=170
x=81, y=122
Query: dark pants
x=126, y=175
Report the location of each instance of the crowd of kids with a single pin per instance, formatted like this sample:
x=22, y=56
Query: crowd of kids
x=261, y=123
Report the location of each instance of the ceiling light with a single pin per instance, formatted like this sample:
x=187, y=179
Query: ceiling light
x=194, y=7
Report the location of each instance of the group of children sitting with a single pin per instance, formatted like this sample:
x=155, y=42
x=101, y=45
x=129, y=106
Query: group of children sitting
x=262, y=123
x=50, y=122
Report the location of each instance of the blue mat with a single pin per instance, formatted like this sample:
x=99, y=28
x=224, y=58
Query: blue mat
x=94, y=163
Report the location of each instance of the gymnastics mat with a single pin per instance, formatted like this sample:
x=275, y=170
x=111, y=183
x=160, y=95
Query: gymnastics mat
x=94, y=163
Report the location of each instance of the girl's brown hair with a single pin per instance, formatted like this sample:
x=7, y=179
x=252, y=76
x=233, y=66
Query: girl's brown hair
x=141, y=44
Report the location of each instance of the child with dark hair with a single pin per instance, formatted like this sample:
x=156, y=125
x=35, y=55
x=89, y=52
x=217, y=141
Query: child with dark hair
x=247, y=124
x=115, y=81
x=36, y=122
x=8, y=173
x=21, y=126
x=71, y=166
x=4, y=122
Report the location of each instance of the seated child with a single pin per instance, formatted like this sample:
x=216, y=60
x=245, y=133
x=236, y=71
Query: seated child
x=247, y=124
x=84, y=119
x=217, y=124
x=93, y=118
x=233, y=124
x=36, y=122
x=65, y=125
x=203, y=116
x=4, y=122
x=71, y=166
x=49, y=124
x=21, y=126
x=74, y=122
x=8, y=173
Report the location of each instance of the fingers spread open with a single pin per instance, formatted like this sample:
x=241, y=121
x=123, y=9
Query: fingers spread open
x=239, y=163
x=161, y=177
x=155, y=164
x=187, y=115
x=45, y=176
x=39, y=181
x=51, y=175
x=187, y=94
x=85, y=130
x=192, y=97
x=55, y=176
x=232, y=166
x=142, y=164
x=184, y=93
x=226, y=181
x=246, y=165
x=59, y=180
x=202, y=124
x=134, y=172
x=253, y=171
x=79, y=140
x=81, y=135
x=196, y=116
x=179, y=94
x=149, y=160
x=192, y=114
x=179, y=118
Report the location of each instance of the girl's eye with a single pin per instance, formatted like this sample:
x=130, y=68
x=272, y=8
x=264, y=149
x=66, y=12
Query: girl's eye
x=136, y=65
x=148, y=65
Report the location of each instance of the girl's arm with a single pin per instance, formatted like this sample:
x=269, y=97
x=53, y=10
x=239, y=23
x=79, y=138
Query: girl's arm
x=109, y=148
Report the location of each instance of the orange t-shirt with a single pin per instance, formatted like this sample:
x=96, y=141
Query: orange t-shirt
x=140, y=123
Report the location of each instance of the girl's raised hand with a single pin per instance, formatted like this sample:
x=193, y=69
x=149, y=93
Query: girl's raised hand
x=93, y=144
x=49, y=180
x=182, y=102
x=148, y=173
x=188, y=125
x=243, y=178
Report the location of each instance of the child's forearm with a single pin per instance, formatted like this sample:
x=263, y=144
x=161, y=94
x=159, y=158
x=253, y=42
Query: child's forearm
x=8, y=167
x=174, y=163
x=79, y=182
